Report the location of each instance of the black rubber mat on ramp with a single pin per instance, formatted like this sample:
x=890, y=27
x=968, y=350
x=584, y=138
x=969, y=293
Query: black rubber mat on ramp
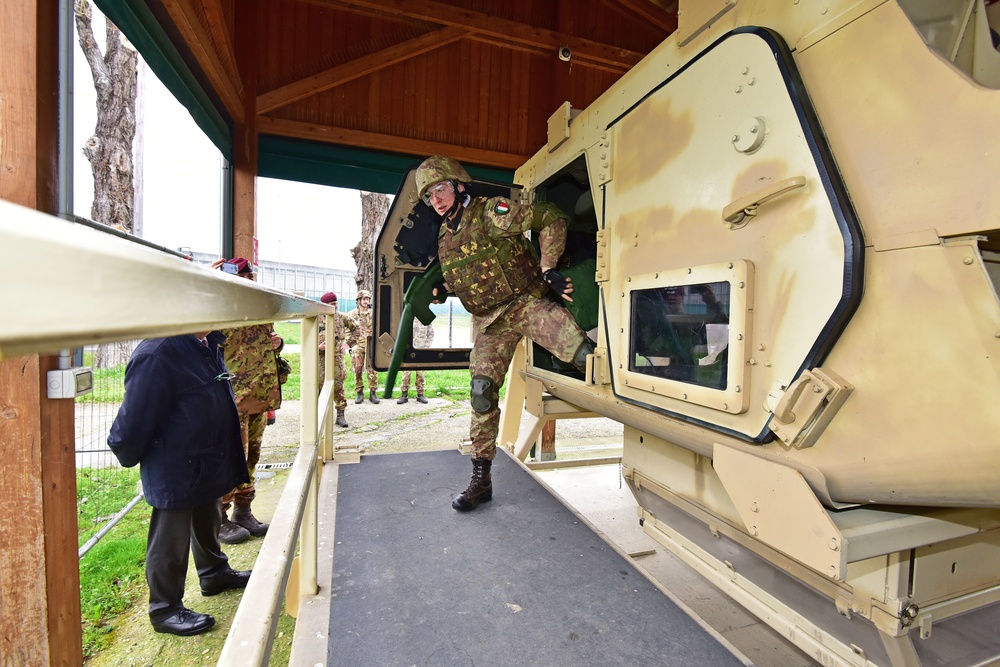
x=519, y=581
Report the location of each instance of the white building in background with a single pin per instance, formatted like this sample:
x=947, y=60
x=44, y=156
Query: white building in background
x=310, y=281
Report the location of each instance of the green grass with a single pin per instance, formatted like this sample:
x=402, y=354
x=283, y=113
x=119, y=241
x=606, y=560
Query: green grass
x=112, y=578
x=109, y=383
x=290, y=332
x=453, y=384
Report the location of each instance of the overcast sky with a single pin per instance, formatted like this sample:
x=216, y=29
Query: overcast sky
x=181, y=173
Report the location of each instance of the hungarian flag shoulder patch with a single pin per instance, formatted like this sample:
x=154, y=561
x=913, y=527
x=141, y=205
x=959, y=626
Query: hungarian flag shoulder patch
x=502, y=208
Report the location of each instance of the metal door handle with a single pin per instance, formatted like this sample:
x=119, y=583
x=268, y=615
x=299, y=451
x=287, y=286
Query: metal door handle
x=736, y=214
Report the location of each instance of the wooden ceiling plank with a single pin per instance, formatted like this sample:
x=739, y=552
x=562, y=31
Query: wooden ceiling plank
x=647, y=11
x=492, y=26
x=386, y=142
x=225, y=81
x=354, y=69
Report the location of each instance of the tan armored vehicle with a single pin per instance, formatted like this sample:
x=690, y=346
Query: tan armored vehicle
x=787, y=221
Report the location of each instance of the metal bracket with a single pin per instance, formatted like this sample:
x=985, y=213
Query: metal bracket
x=601, y=162
x=807, y=407
x=601, y=274
x=779, y=508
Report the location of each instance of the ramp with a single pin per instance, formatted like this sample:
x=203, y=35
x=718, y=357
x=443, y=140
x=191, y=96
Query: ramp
x=520, y=581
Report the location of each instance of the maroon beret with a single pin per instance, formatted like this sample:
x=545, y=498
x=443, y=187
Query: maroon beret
x=242, y=265
x=328, y=297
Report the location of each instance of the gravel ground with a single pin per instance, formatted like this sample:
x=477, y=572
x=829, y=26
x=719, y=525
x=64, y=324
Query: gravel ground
x=440, y=424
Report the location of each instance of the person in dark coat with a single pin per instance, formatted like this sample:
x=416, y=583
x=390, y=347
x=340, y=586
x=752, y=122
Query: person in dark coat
x=179, y=422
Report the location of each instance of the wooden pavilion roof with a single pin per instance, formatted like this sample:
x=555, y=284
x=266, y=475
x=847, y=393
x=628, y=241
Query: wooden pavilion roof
x=476, y=79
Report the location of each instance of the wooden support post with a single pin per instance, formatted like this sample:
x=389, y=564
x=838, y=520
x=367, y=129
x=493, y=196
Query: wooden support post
x=39, y=570
x=245, y=136
x=547, y=442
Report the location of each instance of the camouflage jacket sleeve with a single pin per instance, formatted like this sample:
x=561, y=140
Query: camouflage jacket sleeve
x=250, y=357
x=507, y=218
x=322, y=330
x=352, y=330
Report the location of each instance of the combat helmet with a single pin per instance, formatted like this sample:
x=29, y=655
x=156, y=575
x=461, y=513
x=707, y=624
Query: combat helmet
x=439, y=168
x=364, y=294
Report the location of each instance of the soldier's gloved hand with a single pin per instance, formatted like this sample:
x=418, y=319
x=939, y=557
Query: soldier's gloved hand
x=441, y=292
x=559, y=284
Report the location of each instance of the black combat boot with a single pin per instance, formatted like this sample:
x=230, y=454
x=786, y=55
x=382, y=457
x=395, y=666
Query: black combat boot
x=420, y=397
x=403, y=397
x=230, y=533
x=372, y=397
x=360, y=399
x=480, y=488
x=242, y=516
x=341, y=420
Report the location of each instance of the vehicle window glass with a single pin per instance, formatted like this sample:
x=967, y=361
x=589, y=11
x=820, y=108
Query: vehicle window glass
x=682, y=333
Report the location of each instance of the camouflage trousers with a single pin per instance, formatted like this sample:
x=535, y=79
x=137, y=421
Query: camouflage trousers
x=339, y=375
x=544, y=322
x=362, y=365
x=404, y=384
x=252, y=430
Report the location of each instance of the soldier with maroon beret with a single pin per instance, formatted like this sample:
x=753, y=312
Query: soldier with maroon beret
x=345, y=331
x=253, y=364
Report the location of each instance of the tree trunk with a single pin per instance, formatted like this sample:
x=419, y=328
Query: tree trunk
x=109, y=150
x=374, y=209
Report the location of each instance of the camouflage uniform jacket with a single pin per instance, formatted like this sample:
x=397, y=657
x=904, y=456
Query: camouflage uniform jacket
x=250, y=357
x=343, y=323
x=363, y=320
x=488, y=262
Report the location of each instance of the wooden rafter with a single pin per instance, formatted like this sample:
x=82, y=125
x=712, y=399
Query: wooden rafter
x=504, y=31
x=646, y=11
x=546, y=51
x=225, y=80
x=354, y=69
x=386, y=142
x=219, y=29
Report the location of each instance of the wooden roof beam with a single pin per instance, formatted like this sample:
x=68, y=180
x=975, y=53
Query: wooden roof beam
x=387, y=142
x=648, y=11
x=224, y=80
x=356, y=68
x=547, y=51
x=503, y=30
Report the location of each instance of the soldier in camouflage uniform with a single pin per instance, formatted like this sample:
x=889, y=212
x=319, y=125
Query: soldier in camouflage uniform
x=362, y=315
x=251, y=359
x=345, y=330
x=423, y=338
x=490, y=265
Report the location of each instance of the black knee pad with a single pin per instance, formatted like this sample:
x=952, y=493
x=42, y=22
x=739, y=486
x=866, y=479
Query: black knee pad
x=580, y=358
x=485, y=394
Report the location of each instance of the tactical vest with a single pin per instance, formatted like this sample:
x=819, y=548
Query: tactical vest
x=486, y=273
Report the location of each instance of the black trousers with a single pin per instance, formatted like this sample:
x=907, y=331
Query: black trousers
x=171, y=534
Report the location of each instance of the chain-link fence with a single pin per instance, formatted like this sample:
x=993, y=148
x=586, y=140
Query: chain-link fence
x=104, y=490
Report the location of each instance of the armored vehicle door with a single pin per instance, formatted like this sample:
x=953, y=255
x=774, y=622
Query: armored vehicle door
x=405, y=249
x=734, y=255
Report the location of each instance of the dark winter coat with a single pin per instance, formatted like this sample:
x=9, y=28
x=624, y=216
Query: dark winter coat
x=179, y=422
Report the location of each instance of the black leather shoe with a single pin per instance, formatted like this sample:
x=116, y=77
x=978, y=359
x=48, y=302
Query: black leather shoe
x=421, y=399
x=221, y=583
x=185, y=623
